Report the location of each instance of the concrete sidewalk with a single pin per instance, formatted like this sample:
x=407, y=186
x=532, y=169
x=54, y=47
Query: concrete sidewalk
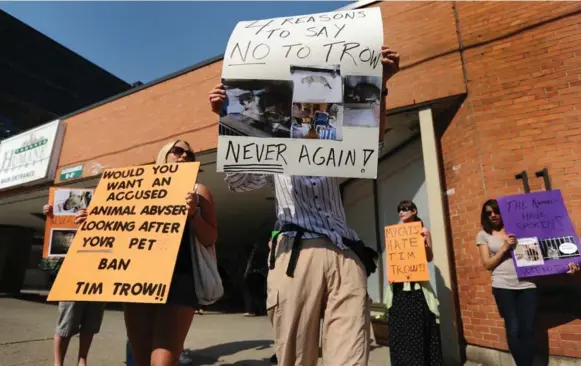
x=27, y=328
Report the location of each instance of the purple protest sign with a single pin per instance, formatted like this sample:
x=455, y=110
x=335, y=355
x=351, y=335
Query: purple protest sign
x=547, y=240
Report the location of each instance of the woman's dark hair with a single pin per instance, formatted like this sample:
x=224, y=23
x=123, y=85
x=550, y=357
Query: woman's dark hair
x=484, y=217
x=409, y=205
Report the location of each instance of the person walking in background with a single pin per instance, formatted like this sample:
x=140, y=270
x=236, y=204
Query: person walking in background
x=312, y=221
x=413, y=315
x=516, y=299
x=75, y=317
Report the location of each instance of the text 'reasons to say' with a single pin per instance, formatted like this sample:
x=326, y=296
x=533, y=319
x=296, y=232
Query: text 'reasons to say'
x=126, y=249
x=268, y=45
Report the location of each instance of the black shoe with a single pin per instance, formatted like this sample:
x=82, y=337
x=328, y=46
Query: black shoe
x=274, y=360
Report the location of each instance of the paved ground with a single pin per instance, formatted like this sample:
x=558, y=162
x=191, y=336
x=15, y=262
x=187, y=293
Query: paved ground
x=27, y=327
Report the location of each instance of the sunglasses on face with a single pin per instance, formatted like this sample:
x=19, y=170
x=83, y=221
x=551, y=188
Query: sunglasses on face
x=403, y=209
x=179, y=151
x=489, y=213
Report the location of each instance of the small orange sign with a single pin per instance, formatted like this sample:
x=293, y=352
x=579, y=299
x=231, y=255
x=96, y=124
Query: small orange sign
x=60, y=227
x=406, y=253
x=127, y=248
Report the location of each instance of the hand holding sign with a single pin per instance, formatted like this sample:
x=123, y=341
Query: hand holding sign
x=390, y=61
x=80, y=216
x=191, y=201
x=47, y=210
x=217, y=98
x=512, y=241
x=573, y=268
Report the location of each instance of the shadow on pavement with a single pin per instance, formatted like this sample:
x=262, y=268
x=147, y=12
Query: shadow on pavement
x=211, y=355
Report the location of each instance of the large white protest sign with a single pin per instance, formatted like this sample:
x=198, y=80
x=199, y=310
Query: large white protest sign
x=303, y=95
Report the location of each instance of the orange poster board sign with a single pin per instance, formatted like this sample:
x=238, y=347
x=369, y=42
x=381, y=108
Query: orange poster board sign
x=60, y=228
x=127, y=248
x=406, y=253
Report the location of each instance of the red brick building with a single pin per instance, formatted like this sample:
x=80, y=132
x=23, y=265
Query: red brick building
x=487, y=90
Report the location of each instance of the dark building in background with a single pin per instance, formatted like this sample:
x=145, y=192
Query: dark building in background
x=41, y=80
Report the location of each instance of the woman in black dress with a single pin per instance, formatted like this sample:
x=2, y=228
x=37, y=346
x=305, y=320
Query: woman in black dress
x=414, y=334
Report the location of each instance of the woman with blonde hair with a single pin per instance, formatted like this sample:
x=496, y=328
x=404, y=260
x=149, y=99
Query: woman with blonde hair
x=157, y=331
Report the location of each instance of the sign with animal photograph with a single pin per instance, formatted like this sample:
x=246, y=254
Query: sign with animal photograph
x=127, y=248
x=60, y=227
x=406, y=253
x=547, y=241
x=303, y=95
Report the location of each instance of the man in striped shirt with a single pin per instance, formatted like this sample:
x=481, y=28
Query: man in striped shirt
x=327, y=280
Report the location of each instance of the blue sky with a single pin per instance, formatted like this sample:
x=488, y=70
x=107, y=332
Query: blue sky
x=146, y=40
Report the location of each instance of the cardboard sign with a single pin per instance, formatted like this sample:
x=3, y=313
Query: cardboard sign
x=303, y=95
x=406, y=253
x=547, y=240
x=60, y=228
x=127, y=248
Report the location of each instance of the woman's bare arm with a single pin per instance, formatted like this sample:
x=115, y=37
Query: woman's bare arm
x=206, y=224
x=491, y=262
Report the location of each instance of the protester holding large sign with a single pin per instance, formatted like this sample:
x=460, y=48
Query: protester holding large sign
x=414, y=333
x=516, y=299
x=305, y=272
x=155, y=275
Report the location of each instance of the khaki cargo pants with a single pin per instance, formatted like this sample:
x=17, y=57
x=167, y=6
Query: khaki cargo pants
x=328, y=283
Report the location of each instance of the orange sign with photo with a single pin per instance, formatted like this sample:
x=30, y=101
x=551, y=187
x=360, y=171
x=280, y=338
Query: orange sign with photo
x=406, y=253
x=127, y=248
x=60, y=227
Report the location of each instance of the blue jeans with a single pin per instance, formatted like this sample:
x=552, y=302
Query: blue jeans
x=128, y=355
x=518, y=309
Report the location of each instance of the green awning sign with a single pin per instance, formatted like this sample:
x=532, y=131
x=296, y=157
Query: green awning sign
x=71, y=172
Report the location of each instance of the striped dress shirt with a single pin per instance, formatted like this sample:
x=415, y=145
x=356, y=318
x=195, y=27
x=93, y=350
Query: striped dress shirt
x=313, y=203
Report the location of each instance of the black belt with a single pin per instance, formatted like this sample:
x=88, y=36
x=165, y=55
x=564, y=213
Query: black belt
x=367, y=255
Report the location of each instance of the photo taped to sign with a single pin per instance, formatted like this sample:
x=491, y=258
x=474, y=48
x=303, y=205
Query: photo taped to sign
x=69, y=201
x=528, y=253
x=362, y=97
x=314, y=53
x=317, y=84
x=126, y=249
x=257, y=108
x=65, y=204
x=321, y=121
x=60, y=241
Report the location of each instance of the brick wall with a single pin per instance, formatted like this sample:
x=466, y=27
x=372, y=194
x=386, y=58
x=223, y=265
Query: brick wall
x=132, y=129
x=523, y=67
x=424, y=33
